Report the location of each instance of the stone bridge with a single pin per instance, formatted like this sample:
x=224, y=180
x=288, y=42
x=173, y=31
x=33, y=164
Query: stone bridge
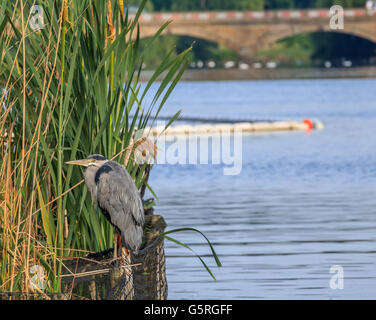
x=247, y=31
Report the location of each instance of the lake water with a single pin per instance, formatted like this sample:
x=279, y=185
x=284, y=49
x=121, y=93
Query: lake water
x=303, y=202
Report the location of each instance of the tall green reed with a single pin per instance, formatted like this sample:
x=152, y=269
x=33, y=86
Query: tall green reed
x=62, y=98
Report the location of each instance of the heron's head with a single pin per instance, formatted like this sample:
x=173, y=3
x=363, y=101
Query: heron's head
x=95, y=160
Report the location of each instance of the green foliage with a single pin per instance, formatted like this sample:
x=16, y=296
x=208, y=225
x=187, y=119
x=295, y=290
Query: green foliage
x=341, y=46
x=289, y=51
x=65, y=99
x=191, y=5
x=315, y=48
x=196, y=5
x=280, y=4
x=202, y=50
x=159, y=48
x=137, y=3
x=217, y=261
x=343, y=3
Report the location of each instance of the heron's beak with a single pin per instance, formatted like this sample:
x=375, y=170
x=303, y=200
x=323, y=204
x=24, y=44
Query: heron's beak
x=83, y=162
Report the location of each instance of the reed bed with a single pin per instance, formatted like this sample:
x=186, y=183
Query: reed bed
x=67, y=91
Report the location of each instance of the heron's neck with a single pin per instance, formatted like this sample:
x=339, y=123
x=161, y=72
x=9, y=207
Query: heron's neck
x=89, y=177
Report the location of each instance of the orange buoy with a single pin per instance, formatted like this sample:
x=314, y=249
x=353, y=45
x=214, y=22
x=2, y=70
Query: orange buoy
x=310, y=124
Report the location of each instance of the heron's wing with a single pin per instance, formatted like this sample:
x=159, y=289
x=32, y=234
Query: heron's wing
x=118, y=196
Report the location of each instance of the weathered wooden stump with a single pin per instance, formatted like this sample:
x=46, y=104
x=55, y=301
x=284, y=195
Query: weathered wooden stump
x=140, y=276
x=149, y=280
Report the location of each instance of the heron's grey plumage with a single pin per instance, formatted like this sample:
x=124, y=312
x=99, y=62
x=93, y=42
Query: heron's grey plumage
x=113, y=189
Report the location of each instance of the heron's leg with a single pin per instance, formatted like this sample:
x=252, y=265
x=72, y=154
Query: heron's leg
x=119, y=244
x=115, y=245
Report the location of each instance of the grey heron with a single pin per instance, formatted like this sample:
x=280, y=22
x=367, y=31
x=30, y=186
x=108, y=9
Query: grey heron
x=113, y=189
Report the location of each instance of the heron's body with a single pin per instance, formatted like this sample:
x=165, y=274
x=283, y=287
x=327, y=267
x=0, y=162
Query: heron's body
x=113, y=189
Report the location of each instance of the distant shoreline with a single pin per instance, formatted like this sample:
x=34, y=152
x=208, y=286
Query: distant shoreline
x=272, y=74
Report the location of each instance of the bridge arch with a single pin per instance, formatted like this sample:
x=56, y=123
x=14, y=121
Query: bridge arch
x=247, y=35
x=208, y=35
x=282, y=34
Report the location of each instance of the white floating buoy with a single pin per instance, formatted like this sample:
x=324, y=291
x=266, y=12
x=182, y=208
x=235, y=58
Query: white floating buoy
x=225, y=128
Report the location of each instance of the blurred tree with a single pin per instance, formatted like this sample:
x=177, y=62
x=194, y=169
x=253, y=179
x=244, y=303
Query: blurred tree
x=304, y=4
x=343, y=3
x=162, y=5
x=191, y=5
x=159, y=48
x=281, y=4
x=136, y=3
x=202, y=50
x=250, y=4
x=316, y=48
x=338, y=46
x=186, y=5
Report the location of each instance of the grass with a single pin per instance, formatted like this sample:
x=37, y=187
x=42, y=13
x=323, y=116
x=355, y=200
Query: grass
x=66, y=91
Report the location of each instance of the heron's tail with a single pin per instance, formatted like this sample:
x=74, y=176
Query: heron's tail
x=132, y=237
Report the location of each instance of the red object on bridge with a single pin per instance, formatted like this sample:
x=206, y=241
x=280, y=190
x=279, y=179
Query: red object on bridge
x=176, y=16
x=285, y=14
x=309, y=122
x=323, y=13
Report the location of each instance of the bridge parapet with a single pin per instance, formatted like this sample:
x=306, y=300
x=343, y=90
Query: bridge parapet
x=232, y=16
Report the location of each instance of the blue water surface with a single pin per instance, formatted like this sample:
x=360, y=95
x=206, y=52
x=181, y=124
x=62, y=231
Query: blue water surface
x=303, y=202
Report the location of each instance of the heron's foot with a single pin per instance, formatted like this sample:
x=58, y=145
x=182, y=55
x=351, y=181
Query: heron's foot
x=125, y=252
